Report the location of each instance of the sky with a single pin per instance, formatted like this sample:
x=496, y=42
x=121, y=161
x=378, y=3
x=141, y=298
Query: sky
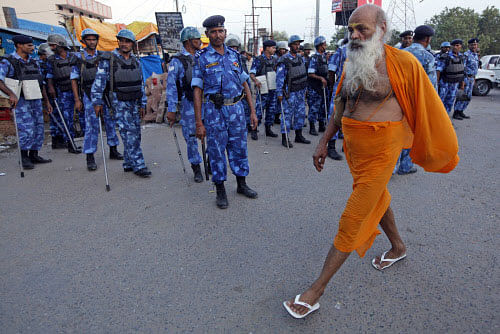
x=292, y=16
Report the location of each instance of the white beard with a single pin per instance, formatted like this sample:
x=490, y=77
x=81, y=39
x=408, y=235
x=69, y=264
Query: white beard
x=360, y=69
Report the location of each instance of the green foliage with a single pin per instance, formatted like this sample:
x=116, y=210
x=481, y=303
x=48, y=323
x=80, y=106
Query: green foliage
x=464, y=23
x=280, y=36
x=339, y=35
x=394, y=39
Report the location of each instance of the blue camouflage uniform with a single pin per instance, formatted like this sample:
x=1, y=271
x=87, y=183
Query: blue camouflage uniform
x=447, y=90
x=91, y=120
x=426, y=59
x=66, y=102
x=246, y=107
x=471, y=68
x=126, y=115
x=294, y=107
x=336, y=65
x=226, y=130
x=315, y=98
x=268, y=103
x=176, y=75
x=54, y=129
x=28, y=113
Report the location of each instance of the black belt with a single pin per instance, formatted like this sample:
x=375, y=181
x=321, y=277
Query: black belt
x=227, y=102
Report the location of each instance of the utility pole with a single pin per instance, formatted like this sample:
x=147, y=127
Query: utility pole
x=270, y=7
x=316, y=24
x=309, y=30
x=402, y=14
x=177, y=5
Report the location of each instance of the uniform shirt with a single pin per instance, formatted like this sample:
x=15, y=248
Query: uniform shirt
x=314, y=63
x=471, y=63
x=336, y=63
x=426, y=59
x=6, y=68
x=175, y=74
x=441, y=63
x=75, y=70
x=281, y=73
x=216, y=73
x=257, y=61
x=102, y=78
x=50, y=69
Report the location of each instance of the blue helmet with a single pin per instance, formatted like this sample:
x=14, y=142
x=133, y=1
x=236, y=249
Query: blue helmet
x=189, y=33
x=445, y=44
x=294, y=38
x=88, y=32
x=125, y=33
x=319, y=40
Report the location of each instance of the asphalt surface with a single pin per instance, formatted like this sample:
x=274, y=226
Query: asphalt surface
x=153, y=255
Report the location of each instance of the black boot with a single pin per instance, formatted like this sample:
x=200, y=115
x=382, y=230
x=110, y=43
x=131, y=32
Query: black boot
x=244, y=189
x=283, y=141
x=253, y=134
x=461, y=113
x=221, y=200
x=332, y=152
x=198, y=177
x=456, y=115
x=114, y=154
x=299, y=138
x=26, y=161
x=270, y=132
x=143, y=172
x=277, y=119
x=54, y=142
x=321, y=127
x=91, y=165
x=36, y=159
x=71, y=150
x=312, y=129
x=58, y=142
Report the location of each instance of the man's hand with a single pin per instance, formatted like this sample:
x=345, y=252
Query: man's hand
x=13, y=100
x=253, y=120
x=201, y=132
x=171, y=118
x=324, y=82
x=142, y=112
x=98, y=110
x=257, y=83
x=52, y=92
x=48, y=107
x=320, y=156
x=280, y=98
x=78, y=105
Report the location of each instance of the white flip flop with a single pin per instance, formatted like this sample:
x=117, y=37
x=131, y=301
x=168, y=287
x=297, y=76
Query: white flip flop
x=298, y=302
x=383, y=259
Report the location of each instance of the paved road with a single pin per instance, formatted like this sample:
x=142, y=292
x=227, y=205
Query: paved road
x=156, y=256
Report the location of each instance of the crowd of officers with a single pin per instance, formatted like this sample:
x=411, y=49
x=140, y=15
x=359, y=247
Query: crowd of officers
x=211, y=88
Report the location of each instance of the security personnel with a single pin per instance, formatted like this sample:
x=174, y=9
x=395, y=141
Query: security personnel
x=318, y=86
x=265, y=65
x=450, y=75
x=219, y=82
x=471, y=67
x=445, y=48
x=82, y=78
x=123, y=71
x=28, y=108
x=406, y=38
x=59, y=83
x=281, y=48
x=291, y=83
x=180, y=93
x=307, y=51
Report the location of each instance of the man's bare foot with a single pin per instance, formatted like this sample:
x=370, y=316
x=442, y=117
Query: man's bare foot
x=310, y=297
x=392, y=254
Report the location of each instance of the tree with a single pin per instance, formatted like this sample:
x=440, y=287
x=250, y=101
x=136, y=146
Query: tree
x=340, y=34
x=394, y=39
x=280, y=36
x=489, y=31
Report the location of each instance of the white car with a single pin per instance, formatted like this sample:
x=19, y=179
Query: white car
x=485, y=80
x=492, y=63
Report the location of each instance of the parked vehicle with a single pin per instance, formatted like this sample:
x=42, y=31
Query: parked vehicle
x=485, y=80
x=492, y=63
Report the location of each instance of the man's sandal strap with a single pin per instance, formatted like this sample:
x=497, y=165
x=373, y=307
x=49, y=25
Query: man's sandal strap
x=298, y=302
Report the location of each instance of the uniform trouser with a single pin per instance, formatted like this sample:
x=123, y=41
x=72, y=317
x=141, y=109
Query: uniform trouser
x=226, y=132
x=92, y=127
x=448, y=93
x=188, y=130
x=66, y=103
x=268, y=106
x=54, y=128
x=404, y=163
x=469, y=84
x=294, y=109
x=246, y=109
x=29, y=118
x=316, y=103
x=129, y=124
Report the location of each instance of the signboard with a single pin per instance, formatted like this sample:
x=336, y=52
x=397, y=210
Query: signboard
x=169, y=27
x=336, y=6
x=370, y=2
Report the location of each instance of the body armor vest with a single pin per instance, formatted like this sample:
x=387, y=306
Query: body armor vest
x=88, y=71
x=454, y=70
x=61, y=69
x=321, y=70
x=26, y=71
x=266, y=65
x=296, y=77
x=185, y=86
x=127, y=78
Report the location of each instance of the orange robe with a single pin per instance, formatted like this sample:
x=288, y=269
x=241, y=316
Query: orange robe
x=372, y=149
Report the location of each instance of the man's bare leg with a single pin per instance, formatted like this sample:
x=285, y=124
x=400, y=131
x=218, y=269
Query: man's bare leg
x=334, y=260
x=388, y=225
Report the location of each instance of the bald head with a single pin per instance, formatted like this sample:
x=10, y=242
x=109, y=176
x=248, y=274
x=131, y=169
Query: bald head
x=369, y=13
x=364, y=21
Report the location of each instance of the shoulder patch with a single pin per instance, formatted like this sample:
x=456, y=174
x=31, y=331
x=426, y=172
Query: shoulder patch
x=235, y=63
x=200, y=52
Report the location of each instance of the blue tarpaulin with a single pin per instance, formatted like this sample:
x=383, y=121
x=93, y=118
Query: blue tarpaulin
x=150, y=64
